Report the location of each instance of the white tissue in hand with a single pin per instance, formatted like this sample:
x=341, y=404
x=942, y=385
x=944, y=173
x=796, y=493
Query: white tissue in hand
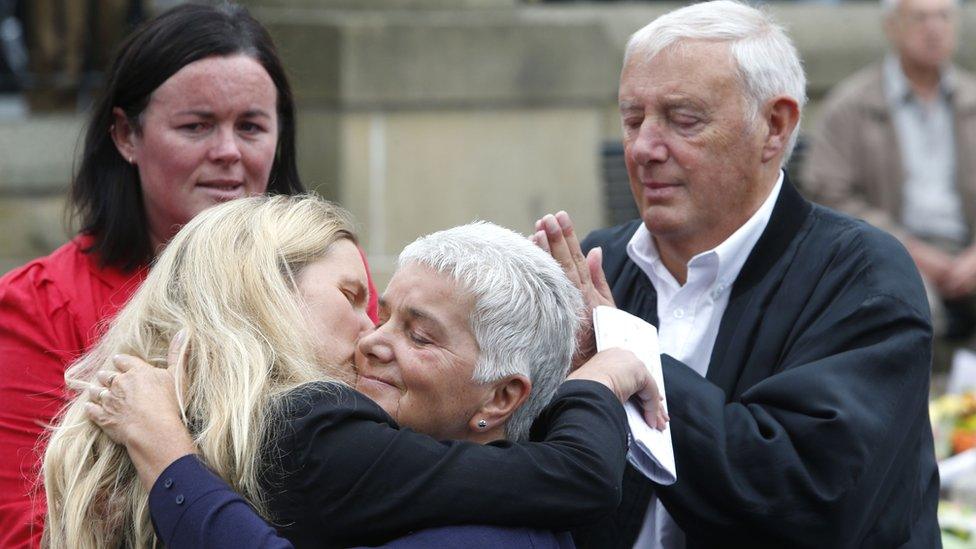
x=651, y=451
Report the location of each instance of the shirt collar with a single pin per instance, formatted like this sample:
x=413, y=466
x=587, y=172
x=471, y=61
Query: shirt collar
x=896, y=87
x=731, y=253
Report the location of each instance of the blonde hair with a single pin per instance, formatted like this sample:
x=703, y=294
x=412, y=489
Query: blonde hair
x=228, y=277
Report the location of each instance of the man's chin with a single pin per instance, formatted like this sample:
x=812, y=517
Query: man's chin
x=661, y=220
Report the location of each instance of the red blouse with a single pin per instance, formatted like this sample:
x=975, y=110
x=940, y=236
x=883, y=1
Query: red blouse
x=49, y=315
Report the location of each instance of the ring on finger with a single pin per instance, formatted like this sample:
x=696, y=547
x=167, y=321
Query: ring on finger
x=111, y=378
x=101, y=394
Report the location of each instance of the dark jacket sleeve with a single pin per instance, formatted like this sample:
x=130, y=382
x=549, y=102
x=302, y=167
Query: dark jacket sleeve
x=193, y=507
x=833, y=422
x=352, y=477
x=482, y=537
x=811, y=428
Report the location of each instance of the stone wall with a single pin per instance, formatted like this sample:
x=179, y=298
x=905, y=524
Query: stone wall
x=423, y=114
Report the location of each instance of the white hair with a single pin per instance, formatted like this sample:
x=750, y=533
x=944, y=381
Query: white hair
x=526, y=311
x=767, y=62
x=888, y=7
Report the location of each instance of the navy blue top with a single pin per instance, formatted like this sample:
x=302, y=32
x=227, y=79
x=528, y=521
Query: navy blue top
x=193, y=507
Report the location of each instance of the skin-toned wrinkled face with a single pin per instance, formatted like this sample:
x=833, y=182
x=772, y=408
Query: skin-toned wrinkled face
x=923, y=32
x=208, y=134
x=335, y=293
x=419, y=363
x=693, y=153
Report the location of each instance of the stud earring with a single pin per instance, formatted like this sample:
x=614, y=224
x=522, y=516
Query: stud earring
x=482, y=424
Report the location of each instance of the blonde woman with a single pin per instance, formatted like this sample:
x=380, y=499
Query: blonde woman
x=273, y=293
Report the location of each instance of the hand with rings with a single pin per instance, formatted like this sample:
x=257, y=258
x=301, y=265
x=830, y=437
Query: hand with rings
x=136, y=406
x=136, y=403
x=98, y=392
x=106, y=378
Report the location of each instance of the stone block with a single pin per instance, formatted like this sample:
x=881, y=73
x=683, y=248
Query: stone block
x=379, y=4
x=409, y=59
x=407, y=174
x=30, y=227
x=38, y=153
x=317, y=145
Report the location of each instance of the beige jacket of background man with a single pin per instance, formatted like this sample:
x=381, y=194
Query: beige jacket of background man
x=854, y=164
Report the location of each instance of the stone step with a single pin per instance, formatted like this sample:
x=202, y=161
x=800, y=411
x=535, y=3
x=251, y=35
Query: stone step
x=37, y=154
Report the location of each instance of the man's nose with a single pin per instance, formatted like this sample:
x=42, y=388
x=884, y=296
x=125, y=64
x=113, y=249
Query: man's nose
x=649, y=145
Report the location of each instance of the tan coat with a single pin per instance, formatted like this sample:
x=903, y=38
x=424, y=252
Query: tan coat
x=854, y=163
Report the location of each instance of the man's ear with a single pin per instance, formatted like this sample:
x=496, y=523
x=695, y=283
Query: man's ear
x=505, y=396
x=123, y=135
x=781, y=116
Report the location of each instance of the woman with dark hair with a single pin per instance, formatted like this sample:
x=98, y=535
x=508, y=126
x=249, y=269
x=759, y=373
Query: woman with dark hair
x=196, y=111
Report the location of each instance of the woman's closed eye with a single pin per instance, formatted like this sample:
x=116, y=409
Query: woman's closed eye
x=417, y=338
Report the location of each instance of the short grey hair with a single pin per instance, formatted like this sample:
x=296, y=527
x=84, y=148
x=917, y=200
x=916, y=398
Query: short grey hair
x=526, y=311
x=767, y=62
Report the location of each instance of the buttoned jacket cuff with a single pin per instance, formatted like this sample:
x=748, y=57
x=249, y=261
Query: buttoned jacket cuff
x=182, y=484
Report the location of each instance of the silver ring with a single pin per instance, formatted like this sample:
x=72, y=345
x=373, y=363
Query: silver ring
x=101, y=394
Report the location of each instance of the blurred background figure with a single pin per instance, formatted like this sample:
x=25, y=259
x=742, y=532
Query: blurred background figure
x=69, y=46
x=895, y=147
x=13, y=58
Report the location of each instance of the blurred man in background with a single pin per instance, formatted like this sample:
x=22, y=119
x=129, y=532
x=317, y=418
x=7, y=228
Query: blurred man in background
x=894, y=147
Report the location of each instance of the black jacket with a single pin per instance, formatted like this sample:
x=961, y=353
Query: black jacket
x=811, y=428
x=345, y=474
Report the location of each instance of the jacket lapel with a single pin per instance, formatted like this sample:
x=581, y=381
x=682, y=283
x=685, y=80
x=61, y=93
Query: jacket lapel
x=750, y=292
x=636, y=291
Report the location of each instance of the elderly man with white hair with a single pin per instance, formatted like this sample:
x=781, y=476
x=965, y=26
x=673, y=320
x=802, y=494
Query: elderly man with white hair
x=796, y=340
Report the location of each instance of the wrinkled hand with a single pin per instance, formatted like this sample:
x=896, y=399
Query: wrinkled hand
x=555, y=234
x=136, y=405
x=624, y=374
x=961, y=278
x=934, y=264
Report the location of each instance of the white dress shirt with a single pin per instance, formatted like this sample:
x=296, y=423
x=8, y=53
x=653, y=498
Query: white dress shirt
x=932, y=206
x=689, y=318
